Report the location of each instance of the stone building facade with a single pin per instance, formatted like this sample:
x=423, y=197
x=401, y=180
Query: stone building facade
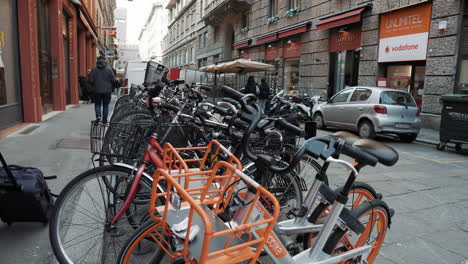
x=44, y=46
x=321, y=46
x=180, y=42
x=153, y=32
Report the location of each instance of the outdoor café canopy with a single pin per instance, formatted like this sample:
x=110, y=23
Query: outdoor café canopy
x=239, y=65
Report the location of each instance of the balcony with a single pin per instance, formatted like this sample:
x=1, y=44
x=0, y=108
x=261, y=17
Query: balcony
x=216, y=10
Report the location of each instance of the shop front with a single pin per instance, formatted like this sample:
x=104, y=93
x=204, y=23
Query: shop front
x=10, y=91
x=403, y=46
x=344, y=57
x=344, y=46
x=285, y=56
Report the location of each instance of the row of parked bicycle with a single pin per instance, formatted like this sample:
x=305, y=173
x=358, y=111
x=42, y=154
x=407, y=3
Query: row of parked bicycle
x=181, y=180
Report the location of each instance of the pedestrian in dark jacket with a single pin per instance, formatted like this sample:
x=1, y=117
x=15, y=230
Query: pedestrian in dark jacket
x=251, y=87
x=264, y=95
x=101, y=78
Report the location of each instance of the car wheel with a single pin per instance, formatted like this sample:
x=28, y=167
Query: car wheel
x=408, y=138
x=318, y=119
x=366, y=130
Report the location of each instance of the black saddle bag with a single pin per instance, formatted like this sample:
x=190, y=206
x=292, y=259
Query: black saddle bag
x=24, y=194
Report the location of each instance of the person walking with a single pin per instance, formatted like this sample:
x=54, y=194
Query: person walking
x=264, y=96
x=251, y=87
x=101, y=78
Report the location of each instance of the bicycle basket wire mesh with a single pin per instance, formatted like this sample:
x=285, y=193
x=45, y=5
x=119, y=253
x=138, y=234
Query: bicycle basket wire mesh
x=274, y=144
x=179, y=135
x=116, y=141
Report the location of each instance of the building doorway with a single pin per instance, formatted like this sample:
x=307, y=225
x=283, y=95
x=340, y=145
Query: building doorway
x=66, y=54
x=344, y=68
x=45, y=63
x=408, y=77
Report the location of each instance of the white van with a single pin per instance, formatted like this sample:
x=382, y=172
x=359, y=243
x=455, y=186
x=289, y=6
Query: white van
x=134, y=74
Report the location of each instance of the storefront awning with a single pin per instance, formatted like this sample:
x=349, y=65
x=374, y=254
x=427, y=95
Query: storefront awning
x=239, y=65
x=242, y=44
x=267, y=37
x=341, y=18
x=293, y=30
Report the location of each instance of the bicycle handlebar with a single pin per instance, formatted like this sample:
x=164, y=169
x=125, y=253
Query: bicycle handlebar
x=285, y=125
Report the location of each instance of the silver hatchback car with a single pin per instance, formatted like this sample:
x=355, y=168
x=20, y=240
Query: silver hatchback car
x=371, y=110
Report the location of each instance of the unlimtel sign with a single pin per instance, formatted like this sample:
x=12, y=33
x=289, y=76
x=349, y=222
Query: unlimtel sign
x=404, y=34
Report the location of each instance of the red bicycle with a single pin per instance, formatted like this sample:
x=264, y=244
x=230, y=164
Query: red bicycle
x=98, y=209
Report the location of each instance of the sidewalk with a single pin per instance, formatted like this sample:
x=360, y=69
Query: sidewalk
x=429, y=136
x=58, y=146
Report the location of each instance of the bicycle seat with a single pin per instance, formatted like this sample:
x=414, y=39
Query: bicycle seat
x=350, y=138
x=384, y=154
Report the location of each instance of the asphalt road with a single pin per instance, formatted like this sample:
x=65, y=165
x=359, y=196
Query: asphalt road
x=428, y=190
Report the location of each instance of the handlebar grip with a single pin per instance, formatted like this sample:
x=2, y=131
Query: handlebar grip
x=285, y=125
x=206, y=88
x=221, y=110
x=231, y=93
x=170, y=107
x=359, y=155
x=240, y=124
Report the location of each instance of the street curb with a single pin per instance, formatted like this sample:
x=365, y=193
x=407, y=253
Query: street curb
x=427, y=141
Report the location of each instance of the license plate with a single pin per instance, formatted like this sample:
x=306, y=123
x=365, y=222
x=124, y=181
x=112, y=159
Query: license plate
x=401, y=125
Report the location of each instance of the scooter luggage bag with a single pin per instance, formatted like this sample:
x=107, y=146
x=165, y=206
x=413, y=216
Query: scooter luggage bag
x=26, y=198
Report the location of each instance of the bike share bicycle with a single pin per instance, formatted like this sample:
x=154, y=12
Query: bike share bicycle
x=333, y=232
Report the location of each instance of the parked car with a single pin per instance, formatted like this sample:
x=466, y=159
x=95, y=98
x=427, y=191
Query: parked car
x=371, y=110
x=134, y=74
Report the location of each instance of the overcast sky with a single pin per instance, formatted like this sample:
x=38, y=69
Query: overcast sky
x=137, y=12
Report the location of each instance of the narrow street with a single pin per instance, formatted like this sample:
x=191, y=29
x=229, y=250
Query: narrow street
x=428, y=190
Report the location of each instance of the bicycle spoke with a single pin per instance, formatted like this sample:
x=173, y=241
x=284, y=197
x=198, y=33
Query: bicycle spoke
x=98, y=221
x=82, y=236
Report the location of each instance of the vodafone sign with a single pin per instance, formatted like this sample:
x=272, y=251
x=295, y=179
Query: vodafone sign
x=404, y=34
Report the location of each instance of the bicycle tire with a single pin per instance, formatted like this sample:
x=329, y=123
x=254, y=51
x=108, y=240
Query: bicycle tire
x=141, y=236
x=122, y=99
x=374, y=207
x=289, y=196
x=81, y=218
x=128, y=109
x=361, y=188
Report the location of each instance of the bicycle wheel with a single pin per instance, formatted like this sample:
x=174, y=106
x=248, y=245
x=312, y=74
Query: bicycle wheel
x=143, y=248
x=285, y=187
x=80, y=230
x=375, y=218
x=359, y=193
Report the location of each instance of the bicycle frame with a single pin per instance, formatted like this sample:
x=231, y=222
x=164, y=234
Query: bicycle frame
x=152, y=154
x=276, y=241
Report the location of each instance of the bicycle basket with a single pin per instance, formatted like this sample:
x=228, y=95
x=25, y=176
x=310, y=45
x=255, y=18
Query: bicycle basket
x=178, y=134
x=273, y=145
x=197, y=158
x=194, y=200
x=115, y=140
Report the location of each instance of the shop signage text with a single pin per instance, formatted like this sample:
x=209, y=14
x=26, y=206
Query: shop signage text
x=404, y=34
x=349, y=40
x=292, y=50
x=272, y=53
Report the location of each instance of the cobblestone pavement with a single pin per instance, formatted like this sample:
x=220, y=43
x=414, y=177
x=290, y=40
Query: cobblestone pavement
x=428, y=190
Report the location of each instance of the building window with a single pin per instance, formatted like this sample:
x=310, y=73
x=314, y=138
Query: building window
x=273, y=8
x=215, y=34
x=205, y=37
x=294, y=4
x=245, y=21
x=215, y=58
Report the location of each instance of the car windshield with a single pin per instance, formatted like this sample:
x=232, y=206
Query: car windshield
x=396, y=98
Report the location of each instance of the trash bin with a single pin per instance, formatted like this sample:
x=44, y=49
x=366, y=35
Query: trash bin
x=454, y=121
